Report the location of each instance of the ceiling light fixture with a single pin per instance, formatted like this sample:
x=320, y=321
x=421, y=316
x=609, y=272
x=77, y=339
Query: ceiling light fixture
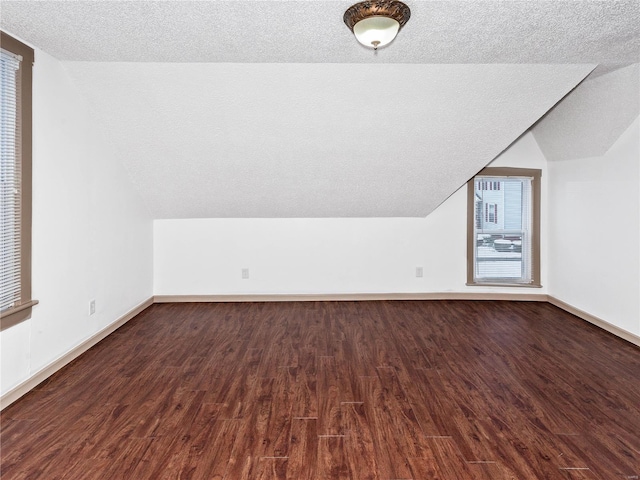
x=376, y=23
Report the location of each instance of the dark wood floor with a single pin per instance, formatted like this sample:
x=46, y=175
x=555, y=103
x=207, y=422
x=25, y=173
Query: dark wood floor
x=337, y=390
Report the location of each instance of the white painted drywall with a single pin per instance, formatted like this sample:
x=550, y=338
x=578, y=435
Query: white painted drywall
x=324, y=256
x=588, y=121
x=92, y=236
x=594, y=232
x=263, y=140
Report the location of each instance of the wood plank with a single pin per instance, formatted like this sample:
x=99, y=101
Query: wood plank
x=215, y=450
x=304, y=384
x=332, y=463
x=303, y=449
x=390, y=450
x=359, y=443
x=330, y=395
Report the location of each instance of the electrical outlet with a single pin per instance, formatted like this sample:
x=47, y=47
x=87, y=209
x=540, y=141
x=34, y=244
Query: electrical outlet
x=245, y=273
x=419, y=272
x=92, y=307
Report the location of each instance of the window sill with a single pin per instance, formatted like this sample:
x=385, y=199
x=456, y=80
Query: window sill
x=18, y=314
x=483, y=284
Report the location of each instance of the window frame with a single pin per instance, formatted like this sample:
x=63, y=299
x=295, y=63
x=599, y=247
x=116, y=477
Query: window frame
x=506, y=172
x=22, y=311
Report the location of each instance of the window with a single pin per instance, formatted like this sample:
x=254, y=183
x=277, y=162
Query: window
x=503, y=238
x=16, y=61
x=491, y=213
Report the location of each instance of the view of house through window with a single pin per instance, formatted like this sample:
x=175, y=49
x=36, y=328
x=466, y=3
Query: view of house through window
x=504, y=213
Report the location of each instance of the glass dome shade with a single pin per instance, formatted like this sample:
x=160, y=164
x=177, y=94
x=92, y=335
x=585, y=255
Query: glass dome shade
x=376, y=31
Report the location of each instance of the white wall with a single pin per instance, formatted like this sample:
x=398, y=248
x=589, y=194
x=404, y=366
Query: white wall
x=592, y=143
x=594, y=237
x=92, y=236
x=324, y=255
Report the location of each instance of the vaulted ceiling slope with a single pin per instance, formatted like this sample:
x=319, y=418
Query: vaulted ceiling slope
x=272, y=109
x=591, y=119
x=310, y=140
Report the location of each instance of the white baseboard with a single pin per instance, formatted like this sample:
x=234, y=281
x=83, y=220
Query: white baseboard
x=617, y=331
x=41, y=375
x=330, y=297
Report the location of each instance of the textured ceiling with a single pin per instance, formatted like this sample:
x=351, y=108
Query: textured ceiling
x=309, y=31
x=311, y=140
x=590, y=119
x=272, y=109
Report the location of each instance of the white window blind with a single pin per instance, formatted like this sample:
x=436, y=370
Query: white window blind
x=10, y=181
x=503, y=230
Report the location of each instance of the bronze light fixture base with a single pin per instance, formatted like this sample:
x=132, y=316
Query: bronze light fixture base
x=377, y=8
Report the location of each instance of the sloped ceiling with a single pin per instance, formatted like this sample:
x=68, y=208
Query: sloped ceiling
x=272, y=109
x=589, y=120
x=292, y=140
